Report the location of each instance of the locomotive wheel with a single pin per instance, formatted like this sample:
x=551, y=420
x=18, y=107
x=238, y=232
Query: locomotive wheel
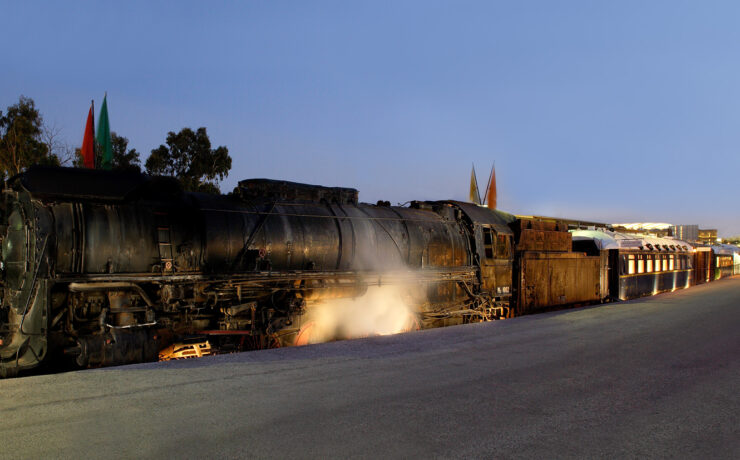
x=304, y=335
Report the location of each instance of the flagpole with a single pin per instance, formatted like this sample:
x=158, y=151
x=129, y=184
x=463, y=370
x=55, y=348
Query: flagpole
x=477, y=189
x=474, y=183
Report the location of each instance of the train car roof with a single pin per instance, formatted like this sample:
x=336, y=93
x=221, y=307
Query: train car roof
x=605, y=239
x=725, y=249
x=95, y=184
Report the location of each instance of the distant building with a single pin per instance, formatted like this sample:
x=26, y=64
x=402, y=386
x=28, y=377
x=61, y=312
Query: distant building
x=688, y=233
x=659, y=230
x=708, y=236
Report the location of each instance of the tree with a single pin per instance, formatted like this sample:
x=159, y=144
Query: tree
x=51, y=135
x=123, y=159
x=189, y=157
x=126, y=160
x=21, y=143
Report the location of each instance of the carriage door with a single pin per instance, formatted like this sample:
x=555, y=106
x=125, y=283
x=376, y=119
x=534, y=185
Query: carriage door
x=616, y=266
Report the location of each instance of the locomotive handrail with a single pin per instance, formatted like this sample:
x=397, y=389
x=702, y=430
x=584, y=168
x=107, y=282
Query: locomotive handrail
x=409, y=219
x=256, y=230
x=380, y=223
x=434, y=273
x=33, y=288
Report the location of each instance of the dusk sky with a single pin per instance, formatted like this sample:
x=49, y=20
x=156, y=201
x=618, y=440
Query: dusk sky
x=610, y=111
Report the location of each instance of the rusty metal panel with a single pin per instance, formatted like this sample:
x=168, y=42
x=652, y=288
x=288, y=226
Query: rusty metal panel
x=496, y=276
x=544, y=240
x=554, y=279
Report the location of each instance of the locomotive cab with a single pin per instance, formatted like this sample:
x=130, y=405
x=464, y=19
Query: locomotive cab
x=492, y=243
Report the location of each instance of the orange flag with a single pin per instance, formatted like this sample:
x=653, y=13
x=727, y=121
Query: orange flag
x=88, y=142
x=491, y=198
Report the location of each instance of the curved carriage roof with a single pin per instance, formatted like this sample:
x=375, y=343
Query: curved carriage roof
x=605, y=239
x=725, y=249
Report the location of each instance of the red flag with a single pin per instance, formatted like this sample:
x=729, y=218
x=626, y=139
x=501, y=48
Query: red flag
x=491, y=198
x=88, y=142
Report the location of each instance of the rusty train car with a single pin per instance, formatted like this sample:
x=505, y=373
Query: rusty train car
x=547, y=272
x=557, y=267
x=103, y=268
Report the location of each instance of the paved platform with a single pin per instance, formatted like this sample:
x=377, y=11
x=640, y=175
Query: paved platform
x=658, y=377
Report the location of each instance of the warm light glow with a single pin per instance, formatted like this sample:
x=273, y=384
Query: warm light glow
x=383, y=310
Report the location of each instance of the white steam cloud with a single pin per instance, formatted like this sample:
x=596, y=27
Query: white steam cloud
x=382, y=310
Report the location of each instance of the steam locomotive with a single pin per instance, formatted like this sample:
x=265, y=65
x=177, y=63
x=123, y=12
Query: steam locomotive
x=104, y=268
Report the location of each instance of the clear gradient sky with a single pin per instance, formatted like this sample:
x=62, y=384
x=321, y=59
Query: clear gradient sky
x=610, y=111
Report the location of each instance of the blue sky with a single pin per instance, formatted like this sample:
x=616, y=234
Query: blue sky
x=609, y=111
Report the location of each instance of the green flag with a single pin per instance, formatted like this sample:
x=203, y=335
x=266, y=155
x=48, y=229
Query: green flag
x=103, y=136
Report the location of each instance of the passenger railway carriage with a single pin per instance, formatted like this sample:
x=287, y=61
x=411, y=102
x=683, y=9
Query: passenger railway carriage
x=725, y=261
x=637, y=266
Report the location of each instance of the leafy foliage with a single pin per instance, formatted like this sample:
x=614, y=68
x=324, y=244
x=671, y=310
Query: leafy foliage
x=189, y=157
x=124, y=159
x=21, y=142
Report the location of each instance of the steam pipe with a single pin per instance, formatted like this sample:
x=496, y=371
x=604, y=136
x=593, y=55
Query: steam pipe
x=116, y=286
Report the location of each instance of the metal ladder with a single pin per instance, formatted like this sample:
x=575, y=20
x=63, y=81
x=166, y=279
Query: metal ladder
x=164, y=240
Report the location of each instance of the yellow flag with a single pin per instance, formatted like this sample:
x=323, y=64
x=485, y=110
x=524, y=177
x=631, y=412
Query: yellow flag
x=474, y=194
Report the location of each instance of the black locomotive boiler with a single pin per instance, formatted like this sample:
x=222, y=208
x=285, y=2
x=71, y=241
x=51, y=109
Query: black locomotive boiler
x=102, y=268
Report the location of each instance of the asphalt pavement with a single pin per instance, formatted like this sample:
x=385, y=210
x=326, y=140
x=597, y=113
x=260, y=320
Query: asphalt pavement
x=657, y=377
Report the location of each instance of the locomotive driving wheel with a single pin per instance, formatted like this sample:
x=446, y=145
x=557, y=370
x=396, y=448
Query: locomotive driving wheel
x=305, y=334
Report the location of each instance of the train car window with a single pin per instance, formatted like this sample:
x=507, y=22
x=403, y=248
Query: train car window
x=631, y=264
x=649, y=263
x=640, y=263
x=658, y=263
x=670, y=262
x=502, y=246
x=488, y=242
x=665, y=263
